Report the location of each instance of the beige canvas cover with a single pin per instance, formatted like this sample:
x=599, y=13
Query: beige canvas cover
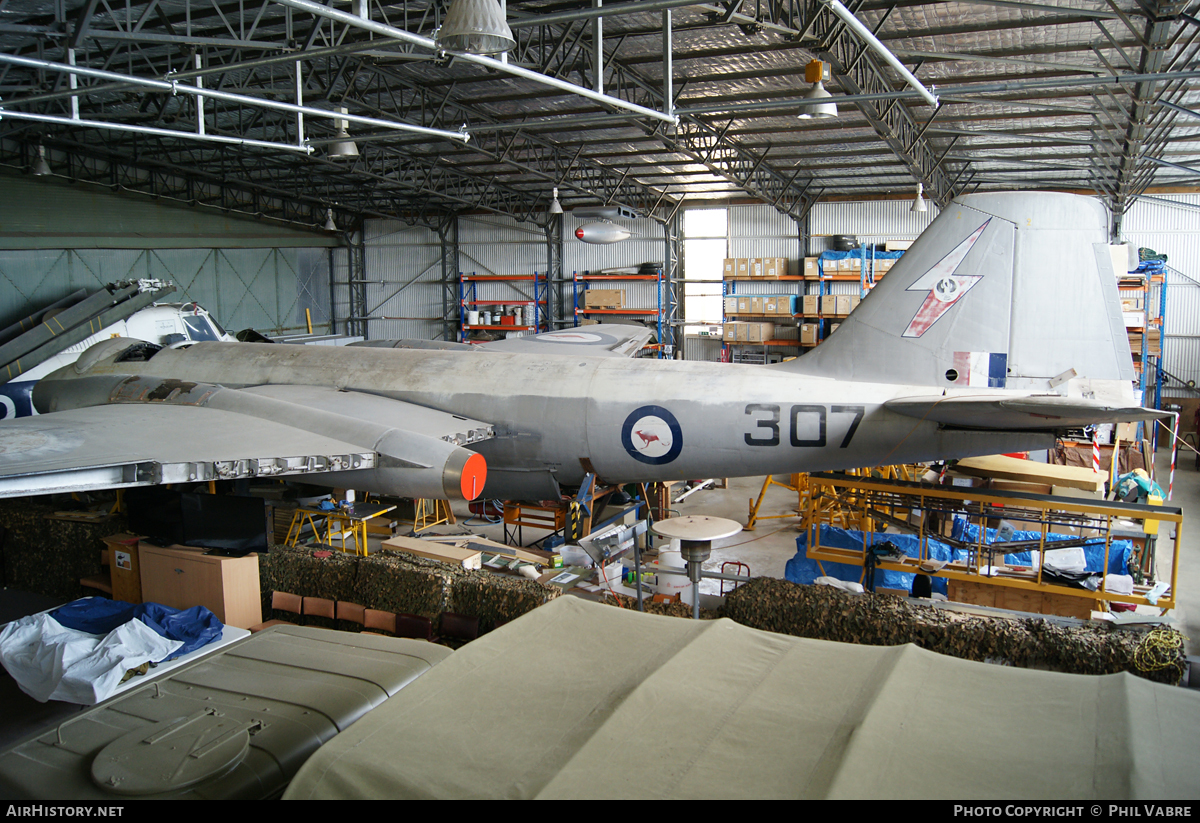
x=580, y=700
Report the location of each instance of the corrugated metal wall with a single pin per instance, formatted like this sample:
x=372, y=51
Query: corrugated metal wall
x=1170, y=224
x=404, y=281
x=265, y=289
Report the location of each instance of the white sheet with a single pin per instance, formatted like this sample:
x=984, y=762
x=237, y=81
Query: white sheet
x=51, y=662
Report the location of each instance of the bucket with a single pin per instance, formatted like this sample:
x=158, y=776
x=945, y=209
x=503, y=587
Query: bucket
x=673, y=584
x=517, y=313
x=472, y=318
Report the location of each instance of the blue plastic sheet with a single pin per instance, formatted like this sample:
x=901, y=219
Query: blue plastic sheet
x=194, y=627
x=1118, y=554
x=800, y=569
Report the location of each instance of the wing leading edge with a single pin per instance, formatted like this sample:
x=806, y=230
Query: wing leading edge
x=144, y=431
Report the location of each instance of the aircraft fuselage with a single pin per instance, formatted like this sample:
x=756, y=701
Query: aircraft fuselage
x=627, y=420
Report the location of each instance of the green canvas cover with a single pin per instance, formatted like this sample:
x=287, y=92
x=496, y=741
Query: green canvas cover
x=580, y=700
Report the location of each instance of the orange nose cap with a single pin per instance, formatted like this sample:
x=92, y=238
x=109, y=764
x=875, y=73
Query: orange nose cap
x=474, y=475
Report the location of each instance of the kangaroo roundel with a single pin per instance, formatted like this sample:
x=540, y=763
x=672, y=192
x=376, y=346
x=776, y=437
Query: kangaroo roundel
x=651, y=434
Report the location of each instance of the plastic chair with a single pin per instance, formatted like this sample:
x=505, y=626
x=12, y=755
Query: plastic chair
x=376, y=621
x=282, y=602
x=415, y=626
x=319, y=608
x=350, y=613
x=458, y=629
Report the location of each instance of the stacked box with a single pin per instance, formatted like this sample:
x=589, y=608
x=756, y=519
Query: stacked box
x=828, y=304
x=774, y=267
x=812, y=304
x=847, y=303
x=604, y=298
x=743, y=305
x=760, y=332
x=808, y=334
x=808, y=267
x=731, y=305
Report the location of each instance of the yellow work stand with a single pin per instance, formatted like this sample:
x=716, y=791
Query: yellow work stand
x=338, y=522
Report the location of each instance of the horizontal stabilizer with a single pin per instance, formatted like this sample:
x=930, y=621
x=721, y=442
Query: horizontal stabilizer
x=600, y=340
x=1033, y=413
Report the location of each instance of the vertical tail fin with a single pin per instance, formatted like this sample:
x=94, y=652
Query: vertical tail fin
x=1007, y=290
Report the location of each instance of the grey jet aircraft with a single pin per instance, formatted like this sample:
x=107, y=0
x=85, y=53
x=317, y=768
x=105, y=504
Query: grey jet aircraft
x=997, y=330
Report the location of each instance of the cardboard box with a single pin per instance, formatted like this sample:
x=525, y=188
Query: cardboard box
x=743, y=267
x=771, y=304
x=843, y=304
x=755, y=266
x=812, y=304
x=604, y=298
x=808, y=267
x=758, y=305
x=729, y=332
x=828, y=304
x=808, y=334
x=743, y=305
x=775, y=267
x=759, y=332
x=729, y=268
x=731, y=305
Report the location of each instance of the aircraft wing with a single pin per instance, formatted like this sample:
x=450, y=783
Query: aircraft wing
x=147, y=437
x=600, y=340
x=1031, y=413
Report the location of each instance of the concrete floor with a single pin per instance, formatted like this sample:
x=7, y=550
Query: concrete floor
x=767, y=549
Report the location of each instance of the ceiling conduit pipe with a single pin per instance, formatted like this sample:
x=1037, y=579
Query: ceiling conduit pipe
x=487, y=62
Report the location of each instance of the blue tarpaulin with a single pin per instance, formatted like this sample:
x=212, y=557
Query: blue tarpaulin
x=194, y=627
x=800, y=569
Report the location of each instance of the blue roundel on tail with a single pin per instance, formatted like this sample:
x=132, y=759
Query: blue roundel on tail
x=651, y=434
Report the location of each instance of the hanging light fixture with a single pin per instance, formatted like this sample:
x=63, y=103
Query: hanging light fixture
x=344, y=147
x=329, y=224
x=40, y=167
x=821, y=105
x=919, y=201
x=475, y=27
x=555, y=206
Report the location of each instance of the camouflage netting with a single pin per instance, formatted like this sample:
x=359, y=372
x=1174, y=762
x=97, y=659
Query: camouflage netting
x=401, y=583
x=827, y=613
x=497, y=599
x=47, y=556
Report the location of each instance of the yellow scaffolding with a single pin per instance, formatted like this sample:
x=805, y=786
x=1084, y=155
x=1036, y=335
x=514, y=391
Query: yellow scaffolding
x=829, y=511
x=907, y=506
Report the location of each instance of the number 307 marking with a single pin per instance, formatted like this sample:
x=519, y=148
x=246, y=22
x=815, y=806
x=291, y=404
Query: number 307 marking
x=769, y=424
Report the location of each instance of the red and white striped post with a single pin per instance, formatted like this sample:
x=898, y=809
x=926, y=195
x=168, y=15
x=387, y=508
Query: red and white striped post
x=1096, y=450
x=1174, y=451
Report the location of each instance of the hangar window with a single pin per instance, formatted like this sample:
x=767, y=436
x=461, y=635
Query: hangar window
x=705, y=247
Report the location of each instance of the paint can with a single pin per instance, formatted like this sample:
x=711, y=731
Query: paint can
x=517, y=313
x=473, y=318
x=485, y=318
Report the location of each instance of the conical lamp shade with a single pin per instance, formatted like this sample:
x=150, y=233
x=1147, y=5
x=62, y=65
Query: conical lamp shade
x=822, y=105
x=475, y=27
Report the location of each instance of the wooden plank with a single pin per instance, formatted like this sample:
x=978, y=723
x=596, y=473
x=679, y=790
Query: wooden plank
x=467, y=558
x=1029, y=471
